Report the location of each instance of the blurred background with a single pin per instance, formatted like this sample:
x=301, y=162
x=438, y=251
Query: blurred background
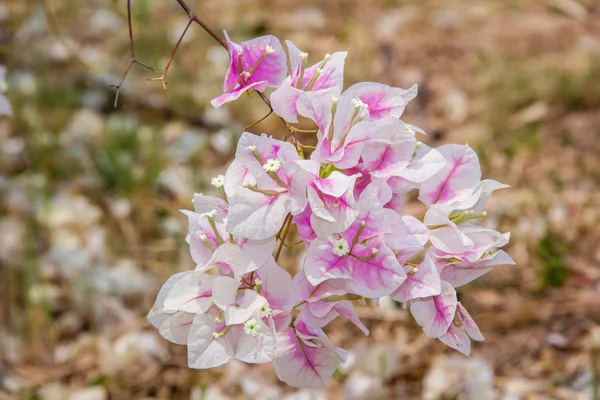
x=89, y=193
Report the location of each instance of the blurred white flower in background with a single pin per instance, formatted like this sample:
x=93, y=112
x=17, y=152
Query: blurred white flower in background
x=465, y=378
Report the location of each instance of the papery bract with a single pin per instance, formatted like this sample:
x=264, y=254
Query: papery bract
x=254, y=65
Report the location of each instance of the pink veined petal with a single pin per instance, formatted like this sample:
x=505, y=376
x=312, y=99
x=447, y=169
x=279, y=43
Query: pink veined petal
x=244, y=308
x=456, y=181
x=236, y=176
x=390, y=150
x=332, y=74
x=346, y=155
x=435, y=315
x=295, y=56
x=444, y=234
x=283, y=101
x=191, y=294
x=318, y=314
x=281, y=320
x=204, y=204
x=322, y=264
x=176, y=328
x=383, y=100
x=273, y=68
x=310, y=293
x=457, y=339
x=332, y=214
x=424, y=283
x=346, y=309
x=305, y=229
x=256, y=216
x=336, y=184
x=197, y=227
x=425, y=164
x=156, y=316
x=224, y=291
x=277, y=286
x=376, y=277
x=258, y=349
x=230, y=259
x=484, y=240
x=231, y=77
x=319, y=309
x=317, y=107
x=235, y=93
x=462, y=273
x=257, y=252
x=302, y=364
x=378, y=192
x=481, y=195
x=467, y=322
x=204, y=351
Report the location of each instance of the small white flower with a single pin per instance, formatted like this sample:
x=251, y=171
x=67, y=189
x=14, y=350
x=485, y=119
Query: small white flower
x=269, y=50
x=251, y=327
x=357, y=103
x=340, y=247
x=203, y=237
x=304, y=56
x=252, y=148
x=225, y=220
x=409, y=128
x=272, y=165
x=218, y=181
x=210, y=214
x=334, y=100
x=265, y=311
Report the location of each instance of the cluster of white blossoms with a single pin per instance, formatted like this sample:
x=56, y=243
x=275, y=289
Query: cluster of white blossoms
x=346, y=199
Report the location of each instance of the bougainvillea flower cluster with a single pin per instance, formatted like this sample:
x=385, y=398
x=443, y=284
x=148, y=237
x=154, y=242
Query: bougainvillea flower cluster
x=346, y=199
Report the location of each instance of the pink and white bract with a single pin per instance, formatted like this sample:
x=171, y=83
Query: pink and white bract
x=346, y=199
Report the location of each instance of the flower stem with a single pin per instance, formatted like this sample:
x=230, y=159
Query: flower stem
x=283, y=234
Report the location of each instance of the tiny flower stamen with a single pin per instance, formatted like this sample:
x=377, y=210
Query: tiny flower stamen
x=340, y=247
x=272, y=165
x=265, y=311
x=269, y=50
x=218, y=181
x=251, y=327
x=358, y=103
x=209, y=214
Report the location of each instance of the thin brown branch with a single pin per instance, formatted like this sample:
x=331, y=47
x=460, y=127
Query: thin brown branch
x=163, y=76
x=259, y=121
x=194, y=17
x=132, y=60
